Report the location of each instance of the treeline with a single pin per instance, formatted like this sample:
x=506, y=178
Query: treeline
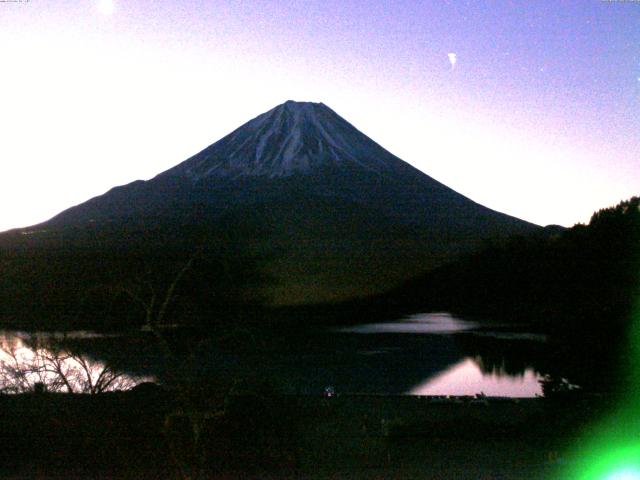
x=577, y=284
x=584, y=273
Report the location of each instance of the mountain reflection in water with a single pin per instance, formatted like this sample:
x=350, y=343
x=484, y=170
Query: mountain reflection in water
x=493, y=363
x=467, y=378
x=424, y=354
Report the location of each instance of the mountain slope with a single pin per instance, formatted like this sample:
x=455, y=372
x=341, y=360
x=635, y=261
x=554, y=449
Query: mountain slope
x=330, y=213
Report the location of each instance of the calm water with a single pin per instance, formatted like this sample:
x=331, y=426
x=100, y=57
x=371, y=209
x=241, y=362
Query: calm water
x=425, y=354
x=421, y=323
x=467, y=378
x=469, y=375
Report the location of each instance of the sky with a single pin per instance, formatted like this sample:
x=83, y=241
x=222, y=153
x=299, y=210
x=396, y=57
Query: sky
x=531, y=108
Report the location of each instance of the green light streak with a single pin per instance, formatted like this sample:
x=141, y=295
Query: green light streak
x=610, y=450
x=625, y=475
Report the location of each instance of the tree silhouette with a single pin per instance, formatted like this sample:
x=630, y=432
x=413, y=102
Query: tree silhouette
x=45, y=366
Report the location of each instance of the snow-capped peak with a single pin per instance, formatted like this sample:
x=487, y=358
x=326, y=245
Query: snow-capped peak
x=294, y=137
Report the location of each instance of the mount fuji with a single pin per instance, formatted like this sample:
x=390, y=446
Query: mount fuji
x=331, y=213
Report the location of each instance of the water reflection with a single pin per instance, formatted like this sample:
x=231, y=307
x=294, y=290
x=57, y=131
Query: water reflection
x=468, y=378
x=494, y=362
x=441, y=354
x=426, y=323
x=42, y=362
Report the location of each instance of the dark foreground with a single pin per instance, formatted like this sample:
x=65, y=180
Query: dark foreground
x=148, y=433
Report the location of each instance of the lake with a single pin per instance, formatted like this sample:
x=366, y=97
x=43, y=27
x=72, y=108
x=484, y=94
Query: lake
x=422, y=354
x=470, y=374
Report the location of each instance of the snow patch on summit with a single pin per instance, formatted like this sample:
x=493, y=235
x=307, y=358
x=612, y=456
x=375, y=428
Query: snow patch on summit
x=295, y=137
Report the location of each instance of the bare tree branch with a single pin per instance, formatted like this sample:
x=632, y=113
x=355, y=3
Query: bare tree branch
x=58, y=370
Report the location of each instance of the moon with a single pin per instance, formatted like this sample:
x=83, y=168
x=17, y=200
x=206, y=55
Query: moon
x=105, y=7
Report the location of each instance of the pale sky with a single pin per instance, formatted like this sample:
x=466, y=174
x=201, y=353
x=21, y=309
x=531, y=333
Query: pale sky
x=530, y=108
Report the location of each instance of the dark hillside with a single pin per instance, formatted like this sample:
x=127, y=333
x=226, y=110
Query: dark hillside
x=579, y=284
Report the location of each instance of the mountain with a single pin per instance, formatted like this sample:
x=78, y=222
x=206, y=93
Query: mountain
x=330, y=213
